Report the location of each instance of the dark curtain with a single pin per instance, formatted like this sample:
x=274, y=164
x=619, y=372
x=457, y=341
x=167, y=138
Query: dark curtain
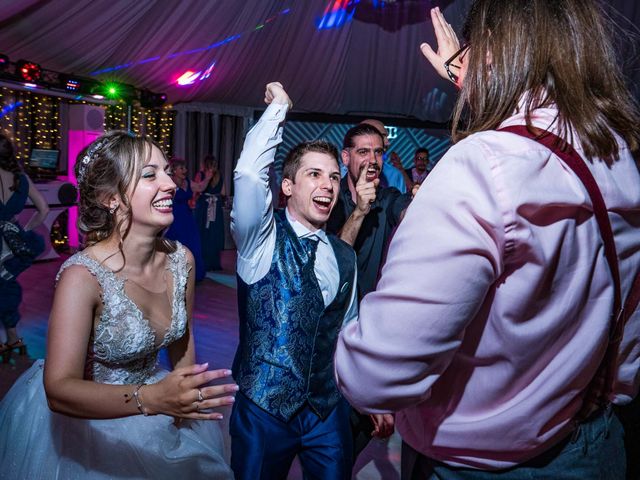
x=201, y=129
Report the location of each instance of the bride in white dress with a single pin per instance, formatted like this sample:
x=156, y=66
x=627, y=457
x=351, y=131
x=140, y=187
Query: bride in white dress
x=100, y=407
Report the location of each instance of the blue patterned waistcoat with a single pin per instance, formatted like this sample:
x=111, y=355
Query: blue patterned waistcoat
x=287, y=336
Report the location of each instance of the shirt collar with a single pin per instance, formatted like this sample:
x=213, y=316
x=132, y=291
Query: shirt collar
x=303, y=232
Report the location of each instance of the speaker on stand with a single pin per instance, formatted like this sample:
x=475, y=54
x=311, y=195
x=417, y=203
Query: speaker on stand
x=86, y=123
x=61, y=196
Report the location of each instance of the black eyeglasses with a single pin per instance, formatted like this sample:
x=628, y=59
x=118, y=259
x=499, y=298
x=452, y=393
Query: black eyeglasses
x=447, y=65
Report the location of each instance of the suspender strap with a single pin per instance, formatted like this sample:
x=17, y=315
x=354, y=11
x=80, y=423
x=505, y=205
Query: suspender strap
x=602, y=383
x=569, y=156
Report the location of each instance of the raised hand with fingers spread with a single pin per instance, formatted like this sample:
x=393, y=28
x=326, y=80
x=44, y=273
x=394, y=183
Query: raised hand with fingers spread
x=448, y=43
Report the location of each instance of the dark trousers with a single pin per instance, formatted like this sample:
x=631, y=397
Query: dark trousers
x=361, y=429
x=630, y=418
x=594, y=451
x=10, y=298
x=263, y=447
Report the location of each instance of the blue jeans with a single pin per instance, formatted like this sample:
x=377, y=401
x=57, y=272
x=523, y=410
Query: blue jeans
x=594, y=452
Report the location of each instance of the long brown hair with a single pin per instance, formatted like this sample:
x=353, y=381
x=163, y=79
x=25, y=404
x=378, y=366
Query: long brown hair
x=548, y=52
x=208, y=162
x=8, y=160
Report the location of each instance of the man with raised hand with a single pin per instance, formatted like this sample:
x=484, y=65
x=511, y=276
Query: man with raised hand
x=393, y=173
x=366, y=214
x=296, y=288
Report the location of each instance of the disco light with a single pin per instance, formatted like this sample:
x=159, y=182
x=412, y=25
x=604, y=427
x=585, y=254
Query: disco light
x=114, y=91
x=337, y=13
x=28, y=71
x=215, y=45
x=188, y=78
x=70, y=83
x=9, y=108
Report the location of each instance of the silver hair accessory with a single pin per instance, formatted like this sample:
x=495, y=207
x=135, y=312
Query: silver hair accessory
x=88, y=158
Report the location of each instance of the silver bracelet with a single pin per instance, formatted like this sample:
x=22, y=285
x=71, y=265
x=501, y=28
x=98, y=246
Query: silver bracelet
x=136, y=395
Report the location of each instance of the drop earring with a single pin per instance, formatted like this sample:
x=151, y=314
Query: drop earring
x=113, y=208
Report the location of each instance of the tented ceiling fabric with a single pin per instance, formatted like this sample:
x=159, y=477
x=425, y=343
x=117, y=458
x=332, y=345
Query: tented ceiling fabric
x=360, y=67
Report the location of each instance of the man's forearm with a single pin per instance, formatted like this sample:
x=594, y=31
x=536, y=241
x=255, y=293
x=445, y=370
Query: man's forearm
x=352, y=226
x=407, y=181
x=252, y=200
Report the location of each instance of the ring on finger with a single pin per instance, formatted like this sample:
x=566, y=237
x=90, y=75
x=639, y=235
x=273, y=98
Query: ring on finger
x=200, y=396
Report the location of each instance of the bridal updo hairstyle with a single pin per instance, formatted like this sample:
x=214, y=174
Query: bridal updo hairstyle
x=111, y=165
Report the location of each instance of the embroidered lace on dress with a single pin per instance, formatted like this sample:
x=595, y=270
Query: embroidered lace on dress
x=123, y=347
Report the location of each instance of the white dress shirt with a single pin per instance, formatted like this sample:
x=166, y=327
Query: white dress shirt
x=252, y=224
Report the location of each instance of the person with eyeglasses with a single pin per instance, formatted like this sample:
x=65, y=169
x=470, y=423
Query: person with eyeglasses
x=420, y=171
x=505, y=323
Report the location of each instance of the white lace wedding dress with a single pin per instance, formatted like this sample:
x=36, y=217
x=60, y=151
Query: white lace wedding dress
x=36, y=443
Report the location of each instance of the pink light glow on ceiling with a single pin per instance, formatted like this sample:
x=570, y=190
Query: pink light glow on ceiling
x=190, y=77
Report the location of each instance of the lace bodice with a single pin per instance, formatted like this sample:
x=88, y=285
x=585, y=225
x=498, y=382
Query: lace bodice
x=123, y=347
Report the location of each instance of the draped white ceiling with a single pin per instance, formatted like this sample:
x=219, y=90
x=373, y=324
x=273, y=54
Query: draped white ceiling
x=369, y=65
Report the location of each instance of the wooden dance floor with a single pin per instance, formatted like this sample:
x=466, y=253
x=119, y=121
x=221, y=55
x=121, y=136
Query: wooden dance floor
x=216, y=335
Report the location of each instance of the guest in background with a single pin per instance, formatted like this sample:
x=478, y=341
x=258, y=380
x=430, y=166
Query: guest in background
x=419, y=172
x=18, y=246
x=366, y=213
x=396, y=161
x=209, y=216
x=184, y=228
x=393, y=174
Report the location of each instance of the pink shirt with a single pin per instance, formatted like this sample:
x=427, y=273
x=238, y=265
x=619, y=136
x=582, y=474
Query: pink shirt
x=492, y=311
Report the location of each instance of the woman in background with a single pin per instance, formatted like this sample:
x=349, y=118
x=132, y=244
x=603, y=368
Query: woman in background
x=184, y=228
x=19, y=247
x=209, y=216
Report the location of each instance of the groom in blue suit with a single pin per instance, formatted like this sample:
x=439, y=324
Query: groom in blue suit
x=296, y=288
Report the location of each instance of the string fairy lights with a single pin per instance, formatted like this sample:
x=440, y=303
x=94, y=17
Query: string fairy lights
x=32, y=120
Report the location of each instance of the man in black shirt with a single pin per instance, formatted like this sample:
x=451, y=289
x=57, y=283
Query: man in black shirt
x=366, y=215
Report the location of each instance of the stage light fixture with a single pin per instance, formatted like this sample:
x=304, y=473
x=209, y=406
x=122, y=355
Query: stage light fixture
x=148, y=99
x=4, y=62
x=28, y=71
x=70, y=83
x=114, y=91
x=75, y=84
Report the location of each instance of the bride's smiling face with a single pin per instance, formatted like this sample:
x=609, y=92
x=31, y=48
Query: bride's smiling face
x=152, y=198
